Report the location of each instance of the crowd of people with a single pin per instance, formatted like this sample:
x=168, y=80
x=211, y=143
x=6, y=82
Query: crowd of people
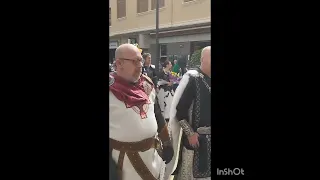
x=160, y=122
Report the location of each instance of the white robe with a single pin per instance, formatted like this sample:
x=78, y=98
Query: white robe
x=126, y=125
x=165, y=100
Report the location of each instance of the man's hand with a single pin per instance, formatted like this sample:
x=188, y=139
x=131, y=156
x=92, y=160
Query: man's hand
x=193, y=140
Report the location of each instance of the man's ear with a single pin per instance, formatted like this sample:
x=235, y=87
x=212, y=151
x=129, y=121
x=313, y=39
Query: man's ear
x=118, y=63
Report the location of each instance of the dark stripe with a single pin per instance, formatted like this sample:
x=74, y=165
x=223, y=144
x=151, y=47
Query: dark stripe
x=139, y=166
x=120, y=164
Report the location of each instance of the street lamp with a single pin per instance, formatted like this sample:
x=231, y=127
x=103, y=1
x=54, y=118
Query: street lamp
x=157, y=39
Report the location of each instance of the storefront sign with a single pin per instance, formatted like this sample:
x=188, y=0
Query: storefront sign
x=113, y=45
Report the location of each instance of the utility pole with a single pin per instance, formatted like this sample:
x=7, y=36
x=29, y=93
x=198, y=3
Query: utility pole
x=157, y=39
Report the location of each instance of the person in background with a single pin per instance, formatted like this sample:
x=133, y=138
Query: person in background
x=176, y=68
x=166, y=92
x=149, y=69
x=162, y=60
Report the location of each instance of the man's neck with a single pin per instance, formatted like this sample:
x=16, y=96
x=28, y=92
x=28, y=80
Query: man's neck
x=147, y=65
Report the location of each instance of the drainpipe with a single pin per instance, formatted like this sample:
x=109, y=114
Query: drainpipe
x=171, y=12
x=157, y=38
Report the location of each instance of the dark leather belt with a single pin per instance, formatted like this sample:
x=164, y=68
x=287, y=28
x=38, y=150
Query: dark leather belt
x=141, y=146
x=132, y=149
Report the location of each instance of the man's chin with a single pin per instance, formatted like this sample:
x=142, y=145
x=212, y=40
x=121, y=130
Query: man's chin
x=135, y=79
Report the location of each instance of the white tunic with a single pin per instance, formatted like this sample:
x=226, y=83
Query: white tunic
x=126, y=125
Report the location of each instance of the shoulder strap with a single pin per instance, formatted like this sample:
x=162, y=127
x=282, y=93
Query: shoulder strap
x=148, y=79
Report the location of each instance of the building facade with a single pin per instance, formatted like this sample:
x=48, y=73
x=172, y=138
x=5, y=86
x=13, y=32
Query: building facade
x=184, y=26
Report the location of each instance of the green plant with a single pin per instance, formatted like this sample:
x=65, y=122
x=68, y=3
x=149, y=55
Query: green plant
x=194, y=61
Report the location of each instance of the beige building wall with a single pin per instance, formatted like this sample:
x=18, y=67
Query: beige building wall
x=197, y=11
x=133, y=21
x=122, y=39
x=174, y=13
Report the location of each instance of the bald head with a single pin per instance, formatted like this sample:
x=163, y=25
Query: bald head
x=206, y=60
x=206, y=52
x=123, y=49
x=129, y=62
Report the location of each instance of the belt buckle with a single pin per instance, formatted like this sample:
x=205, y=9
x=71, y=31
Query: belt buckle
x=157, y=142
x=158, y=145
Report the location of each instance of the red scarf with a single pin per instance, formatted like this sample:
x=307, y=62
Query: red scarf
x=129, y=93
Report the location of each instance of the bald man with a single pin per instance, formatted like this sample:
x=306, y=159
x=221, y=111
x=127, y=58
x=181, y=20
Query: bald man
x=139, y=139
x=190, y=124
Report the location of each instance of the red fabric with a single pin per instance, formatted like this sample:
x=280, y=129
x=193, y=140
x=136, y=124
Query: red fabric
x=130, y=94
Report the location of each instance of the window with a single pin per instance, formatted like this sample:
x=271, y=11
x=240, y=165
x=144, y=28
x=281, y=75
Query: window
x=121, y=8
x=109, y=16
x=133, y=40
x=154, y=5
x=163, y=50
x=142, y=6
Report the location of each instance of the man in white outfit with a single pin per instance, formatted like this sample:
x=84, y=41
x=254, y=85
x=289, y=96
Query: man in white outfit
x=139, y=138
